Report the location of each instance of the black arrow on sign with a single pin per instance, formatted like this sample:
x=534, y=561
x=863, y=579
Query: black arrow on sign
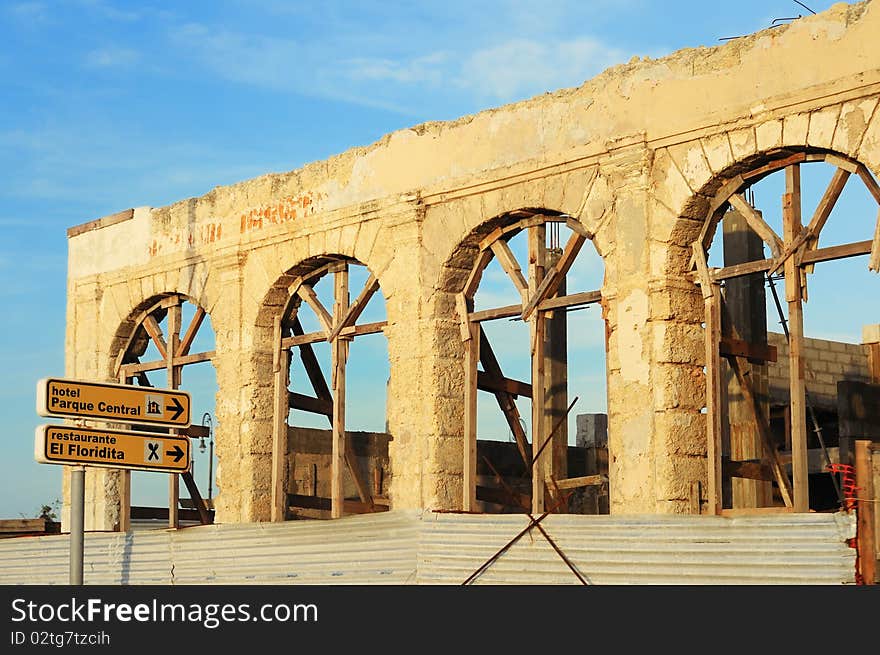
x=177, y=453
x=177, y=408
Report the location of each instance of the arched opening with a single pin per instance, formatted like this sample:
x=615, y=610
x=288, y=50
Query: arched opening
x=330, y=439
x=160, y=347
x=781, y=266
x=527, y=325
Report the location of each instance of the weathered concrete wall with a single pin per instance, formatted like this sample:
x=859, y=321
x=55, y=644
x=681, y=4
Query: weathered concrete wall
x=632, y=154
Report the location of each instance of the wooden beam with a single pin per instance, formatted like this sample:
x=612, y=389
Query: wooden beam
x=713, y=395
x=571, y=300
x=325, y=504
x=757, y=223
x=508, y=311
x=504, y=398
x=775, y=166
x=307, y=293
x=310, y=404
x=791, y=223
x=130, y=370
x=510, y=265
x=310, y=363
x=486, y=382
x=173, y=383
x=537, y=259
x=463, y=306
x=476, y=274
x=469, y=446
x=555, y=275
x=281, y=381
x=754, y=352
x=8, y=526
x=699, y=259
x=155, y=332
x=350, y=331
x=191, y=331
x=810, y=234
x=810, y=257
x=870, y=182
x=865, y=510
x=751, y=470
x=583, y=481
x=205, y=518
x=874, y=261
x=357, y=307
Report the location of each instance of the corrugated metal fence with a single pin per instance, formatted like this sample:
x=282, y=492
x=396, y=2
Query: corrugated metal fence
x=409, y=547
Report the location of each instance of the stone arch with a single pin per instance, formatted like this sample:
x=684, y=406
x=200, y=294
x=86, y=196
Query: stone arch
x=541, y=293
x=174, y=345
x=364, y=455
x=792, y=254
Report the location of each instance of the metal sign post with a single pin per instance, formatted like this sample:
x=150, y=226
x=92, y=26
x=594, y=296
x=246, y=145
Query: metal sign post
x=77, y=522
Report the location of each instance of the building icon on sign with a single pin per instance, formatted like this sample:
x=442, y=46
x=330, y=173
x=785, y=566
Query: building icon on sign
x=154, y=405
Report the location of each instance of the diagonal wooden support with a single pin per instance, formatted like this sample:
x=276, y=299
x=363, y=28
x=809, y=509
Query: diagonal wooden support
x=356, y=309
x=740, y=369
x=476, y=274
x=310, y=363
x=511, y=266
x=874, y=261
x=196, y=497
x=757, y=223
x=555, y=275
x=191, y=331
x=155, y=332
x=307, y=293
x=810, y=234
x=703, y=278
x=505, y=400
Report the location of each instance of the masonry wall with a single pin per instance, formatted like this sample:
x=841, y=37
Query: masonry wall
x=632, y=154
x=827, y=363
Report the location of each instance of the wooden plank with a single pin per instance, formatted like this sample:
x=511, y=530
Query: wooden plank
x=705, y=282
x=740, y=369
x=694, y=504
x=750, y=470
x=310, y=404
x=339, y=352
x=713, y=396
x=205, y=517
x=476, y=274
x=139, y=512
x=865, y=509
x=504, y=398
x=791, y=223
x=307, y=293
x=357, y=307
x=870, y=182
x=757, y=223
x=324, y=504
x=155, y=332
x=318, y=337
x=491, y=238
x=537, y=258
x=555, y=275
x=173, y=383
x=469, y=447
x=582, y=481
x=874, y=261
x=22, y=525
x=755, y=511
x=191, y=331
x=810, y=235
x=508, y=311
x=463, y=307
x=571, y=300
x=775, y=166
x=130, y=370
x=577, y=227
x=279, y=429
x=486, y=382
x=754, y=352
x=713, y=216
x=810, y=257
x=310, y=363
x=510, y=265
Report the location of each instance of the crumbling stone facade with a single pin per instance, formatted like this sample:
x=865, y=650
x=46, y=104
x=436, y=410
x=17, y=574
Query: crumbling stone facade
x=633, y=155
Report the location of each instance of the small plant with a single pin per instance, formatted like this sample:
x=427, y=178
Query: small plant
x=50, y=511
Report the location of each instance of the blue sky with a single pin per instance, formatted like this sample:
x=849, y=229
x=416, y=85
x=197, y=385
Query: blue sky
x=108, y=105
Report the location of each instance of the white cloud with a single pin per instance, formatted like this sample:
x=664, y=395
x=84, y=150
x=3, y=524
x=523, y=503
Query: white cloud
x=112, y=57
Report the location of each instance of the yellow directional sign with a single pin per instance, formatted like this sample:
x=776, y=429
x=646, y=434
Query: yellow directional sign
x=124, y=403
x=144, y=451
